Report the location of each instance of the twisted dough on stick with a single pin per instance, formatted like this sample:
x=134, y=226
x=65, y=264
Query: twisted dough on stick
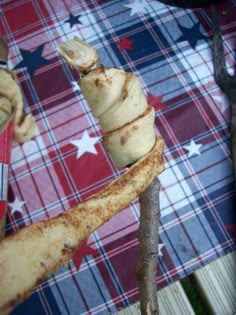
x=11, y=104
x=117, y=100
x=30, y=255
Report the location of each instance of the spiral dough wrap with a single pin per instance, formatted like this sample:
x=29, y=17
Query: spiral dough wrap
x=117, y=100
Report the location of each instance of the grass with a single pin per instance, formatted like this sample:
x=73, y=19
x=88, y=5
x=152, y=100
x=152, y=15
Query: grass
x=194, y=296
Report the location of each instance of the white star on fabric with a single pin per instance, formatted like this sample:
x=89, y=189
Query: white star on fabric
x=193, y=148
x=75, y=86
x=85, y=144
x=16, y=206
x=160, y=246
x=138, y=6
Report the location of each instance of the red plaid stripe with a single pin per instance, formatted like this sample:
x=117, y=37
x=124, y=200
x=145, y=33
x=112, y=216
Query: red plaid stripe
x=5, y=153
x=5, y=144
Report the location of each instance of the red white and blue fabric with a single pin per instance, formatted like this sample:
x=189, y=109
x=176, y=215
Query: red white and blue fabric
x=169, y=49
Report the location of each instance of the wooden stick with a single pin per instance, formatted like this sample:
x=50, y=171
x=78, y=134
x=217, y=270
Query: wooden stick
x=225, y=81
x=3, y=51
x=148, y=246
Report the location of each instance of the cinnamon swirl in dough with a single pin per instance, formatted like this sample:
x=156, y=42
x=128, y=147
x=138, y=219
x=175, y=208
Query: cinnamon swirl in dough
x=117, y=100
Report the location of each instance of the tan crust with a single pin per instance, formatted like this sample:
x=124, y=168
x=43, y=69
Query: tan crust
x=133, y=140
x=30, y=255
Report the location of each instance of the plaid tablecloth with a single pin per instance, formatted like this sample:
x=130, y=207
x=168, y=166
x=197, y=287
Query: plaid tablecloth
x=169, y=49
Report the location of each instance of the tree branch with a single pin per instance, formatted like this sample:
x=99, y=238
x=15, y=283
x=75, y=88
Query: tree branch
x=148, y=246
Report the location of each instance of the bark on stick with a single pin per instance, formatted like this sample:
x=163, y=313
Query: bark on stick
x=148, y=247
